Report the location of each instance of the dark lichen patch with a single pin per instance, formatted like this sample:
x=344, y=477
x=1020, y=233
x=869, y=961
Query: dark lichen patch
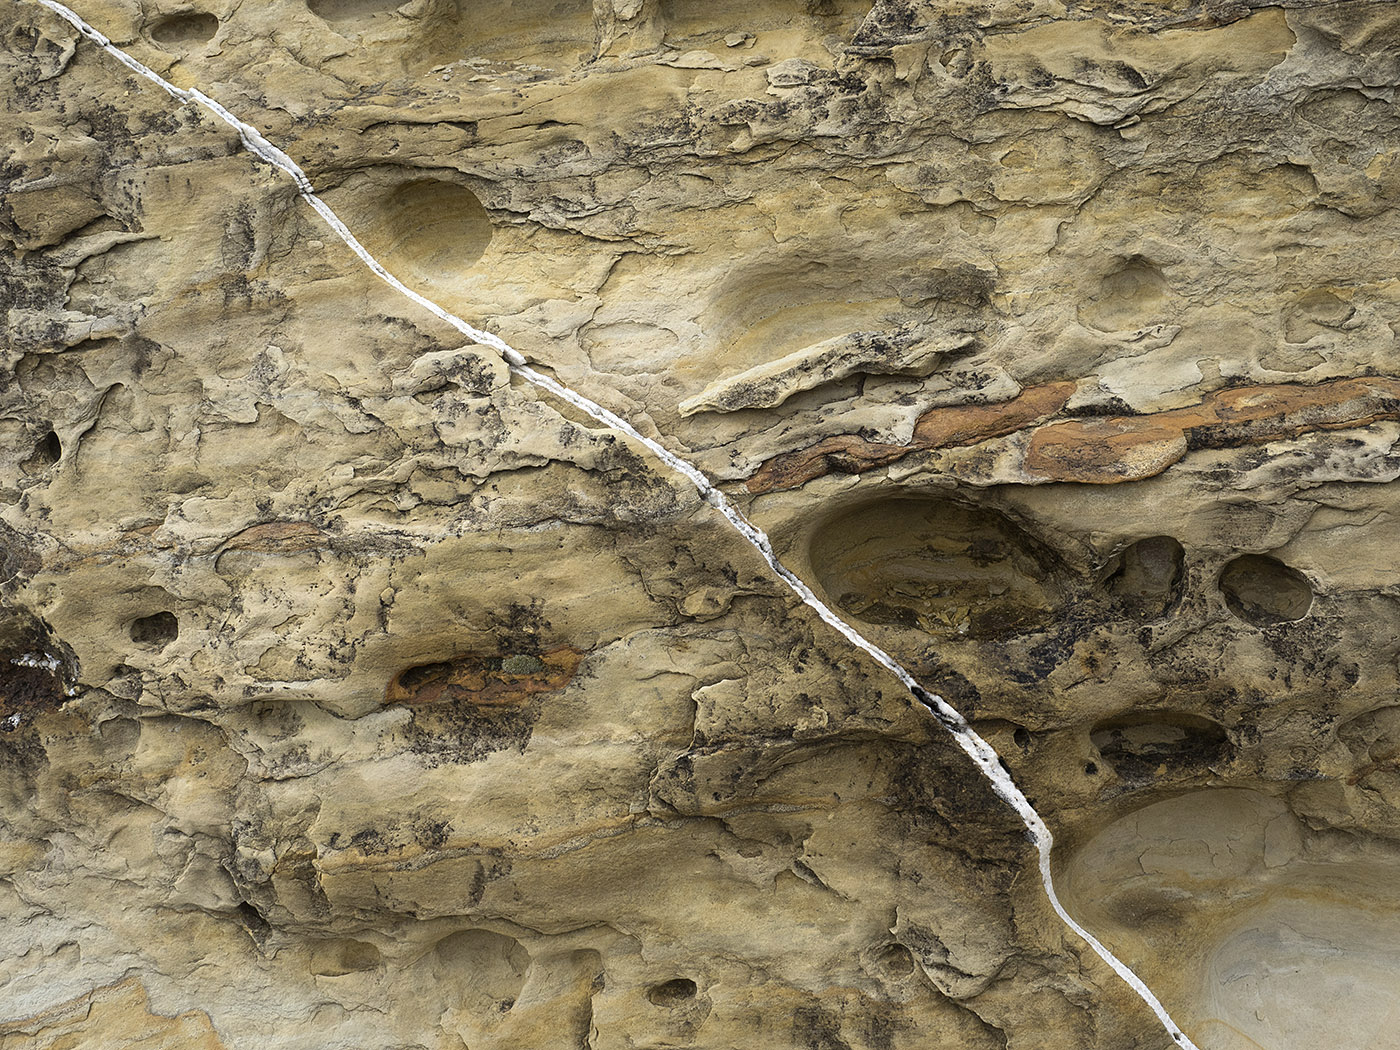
x=465, y=708
x=33, y=680
x=28, y=688
x=1166, y=745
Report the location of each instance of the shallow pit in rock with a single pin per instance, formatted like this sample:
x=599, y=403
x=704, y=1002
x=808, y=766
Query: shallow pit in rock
x=351, y=10
x=337, y=957
x=427, y=230
x=939, y=566
x=158, y=629
x=672, y=993
x=1132, y=295
x=184, y=29
x=1162, y=744
x=483, y=970
x=1263, y=590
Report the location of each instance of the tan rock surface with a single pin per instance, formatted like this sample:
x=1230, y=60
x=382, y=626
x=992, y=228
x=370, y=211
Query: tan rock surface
x=355, y=694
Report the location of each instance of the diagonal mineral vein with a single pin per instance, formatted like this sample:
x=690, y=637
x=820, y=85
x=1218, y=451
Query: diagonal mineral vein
x=983, y=756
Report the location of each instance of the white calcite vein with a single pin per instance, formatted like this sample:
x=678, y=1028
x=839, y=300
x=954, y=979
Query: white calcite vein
x=983, y=756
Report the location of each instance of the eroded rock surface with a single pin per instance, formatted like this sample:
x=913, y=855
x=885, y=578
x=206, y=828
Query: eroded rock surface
x=356, y=695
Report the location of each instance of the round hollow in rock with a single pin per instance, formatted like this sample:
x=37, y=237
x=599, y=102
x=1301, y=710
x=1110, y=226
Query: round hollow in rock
x=341, y=956
x=939, y=566
x=157, y=629
x=895, y=960
x=1146, y=747
x=1262, y=590
x=1133, y=295
x=483, y=971
x=670, y=993
x=185, y=29
x=431, y=229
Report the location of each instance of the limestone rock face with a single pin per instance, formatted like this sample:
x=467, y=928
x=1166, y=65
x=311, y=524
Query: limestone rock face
x=355, y=694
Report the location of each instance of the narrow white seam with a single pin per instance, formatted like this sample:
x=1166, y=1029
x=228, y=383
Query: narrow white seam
x=983, y=756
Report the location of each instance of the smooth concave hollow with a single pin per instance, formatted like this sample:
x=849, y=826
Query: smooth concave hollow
x=183, y=30
x=942, y=567
x=430, y=229
x=1263, y=590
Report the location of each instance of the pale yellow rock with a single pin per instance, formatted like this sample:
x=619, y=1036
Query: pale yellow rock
x=353, y=693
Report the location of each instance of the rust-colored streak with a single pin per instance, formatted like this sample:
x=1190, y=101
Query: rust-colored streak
x=841, y=454
x=1131, y=448
x=936, y=428
x=1102, y=451
x=484, y=681
x=969, y=424
x=1105, y=450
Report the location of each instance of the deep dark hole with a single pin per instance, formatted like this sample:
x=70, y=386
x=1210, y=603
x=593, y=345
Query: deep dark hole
x=1142, y=749
x=157, y=629
x=1022, y=736
x=253, y=920
x=672, y=993
x=49, y=449
x=1091, y=769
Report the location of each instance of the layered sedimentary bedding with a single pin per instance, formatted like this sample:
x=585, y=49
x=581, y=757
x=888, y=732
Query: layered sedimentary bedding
x=356, y=693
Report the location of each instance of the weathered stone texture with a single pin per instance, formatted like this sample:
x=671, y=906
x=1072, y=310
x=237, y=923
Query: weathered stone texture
x=353, y=694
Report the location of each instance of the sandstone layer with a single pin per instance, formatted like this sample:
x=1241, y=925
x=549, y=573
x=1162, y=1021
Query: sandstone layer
x=353, y=694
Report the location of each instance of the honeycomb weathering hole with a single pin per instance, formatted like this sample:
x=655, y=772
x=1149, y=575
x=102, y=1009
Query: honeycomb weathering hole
x=433, y=228
x=484, y=971
x=49, y=449
x=1145, y=748
x=158, y=629
x=1147, y=577
x=499, y=681
x=1263, y=590
x=338, y=957
x=190, y=27
x=1131, y=296
x=939, y=566
x=672, y=993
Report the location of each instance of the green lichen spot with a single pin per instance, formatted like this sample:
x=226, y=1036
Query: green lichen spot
x=522, y=664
